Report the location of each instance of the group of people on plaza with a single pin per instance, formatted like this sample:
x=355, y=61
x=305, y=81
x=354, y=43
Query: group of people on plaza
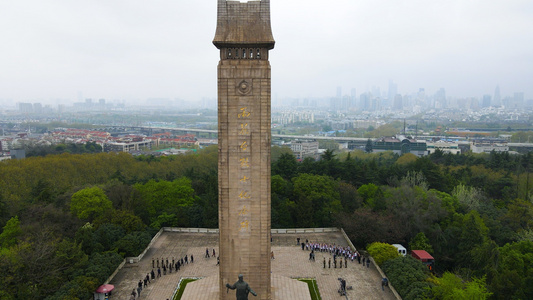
x=214, y=255
x=163, y=266
x=337, y=252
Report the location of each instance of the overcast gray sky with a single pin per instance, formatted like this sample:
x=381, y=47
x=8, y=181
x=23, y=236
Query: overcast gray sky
x=136, y=49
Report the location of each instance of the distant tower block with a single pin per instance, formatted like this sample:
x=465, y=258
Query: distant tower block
x=244, y=38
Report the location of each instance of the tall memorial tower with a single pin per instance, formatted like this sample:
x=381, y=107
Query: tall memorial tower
x=244, y=38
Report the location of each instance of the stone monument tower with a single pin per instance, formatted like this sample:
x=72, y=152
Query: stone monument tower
x=244, y=38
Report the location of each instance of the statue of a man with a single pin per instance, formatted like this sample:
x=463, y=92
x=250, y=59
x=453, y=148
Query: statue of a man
x=242, y=288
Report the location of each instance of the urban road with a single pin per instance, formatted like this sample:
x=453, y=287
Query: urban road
x=459, y=140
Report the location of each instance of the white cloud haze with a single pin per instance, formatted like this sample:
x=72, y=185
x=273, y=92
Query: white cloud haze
x=126, y=49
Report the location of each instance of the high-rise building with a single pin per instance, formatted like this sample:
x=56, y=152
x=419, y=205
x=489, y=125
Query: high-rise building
x=25, y=107
x=518, y=100
x=486, y=102
x=497, y=101
x=392, y=92
x=440, y=98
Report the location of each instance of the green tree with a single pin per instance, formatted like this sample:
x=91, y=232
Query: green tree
x=369, y=146
x=89, y=203
x=167, y=196
x=452, y=287
x=513, y=275
x=381, y=252
x=133, y=243
x=10, y=233
x=286, y=166
x=408, y=276
x=421, y=242
x=316, y=199
x=369, y=193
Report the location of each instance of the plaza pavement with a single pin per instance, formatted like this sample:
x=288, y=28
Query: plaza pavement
x=290, y=261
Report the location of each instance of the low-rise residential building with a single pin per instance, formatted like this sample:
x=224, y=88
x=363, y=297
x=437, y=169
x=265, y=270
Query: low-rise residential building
x=444, y=146
x=489, y=145
x=304, y=148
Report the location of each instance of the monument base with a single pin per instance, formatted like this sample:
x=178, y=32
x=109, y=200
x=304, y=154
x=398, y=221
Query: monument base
x=283, y=288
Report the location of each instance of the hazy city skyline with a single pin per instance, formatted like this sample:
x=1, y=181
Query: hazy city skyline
x=138, y=50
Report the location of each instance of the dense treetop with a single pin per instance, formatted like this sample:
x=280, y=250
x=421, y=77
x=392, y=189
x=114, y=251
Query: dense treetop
x=74, y=217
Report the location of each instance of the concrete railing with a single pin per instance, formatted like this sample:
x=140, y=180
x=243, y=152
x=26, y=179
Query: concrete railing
x=304, y=230
x=136, y=259
x=393, y=290
x=348, y=240
x=116, y=271
x=190, y=230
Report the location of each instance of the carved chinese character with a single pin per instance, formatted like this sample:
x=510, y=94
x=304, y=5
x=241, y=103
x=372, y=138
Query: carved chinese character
x=244, y=195
x=244, y=129
x=244, y=225
x=244, y=179
x=244, y=113
x=244, y=146
x=243, y=211
x=244, y=163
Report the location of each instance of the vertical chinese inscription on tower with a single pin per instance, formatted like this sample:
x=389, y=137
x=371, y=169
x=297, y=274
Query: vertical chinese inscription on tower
x=244, y=196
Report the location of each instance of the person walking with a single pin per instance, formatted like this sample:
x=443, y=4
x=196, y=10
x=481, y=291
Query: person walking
x=192, y=259
x=324, y=262
x=272, y=255
x=384, y=283
x=329, y=263
x=133, y=293
x=139, y=287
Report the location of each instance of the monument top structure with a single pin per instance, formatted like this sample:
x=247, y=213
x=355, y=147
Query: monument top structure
x=244, y=24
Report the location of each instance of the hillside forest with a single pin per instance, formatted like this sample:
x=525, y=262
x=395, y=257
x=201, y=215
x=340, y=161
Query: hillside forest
x=68, y=220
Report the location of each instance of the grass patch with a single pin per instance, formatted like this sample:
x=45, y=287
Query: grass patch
x=313, y=288
x=181, y=287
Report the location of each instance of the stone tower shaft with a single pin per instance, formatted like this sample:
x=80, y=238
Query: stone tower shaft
x=244, y=37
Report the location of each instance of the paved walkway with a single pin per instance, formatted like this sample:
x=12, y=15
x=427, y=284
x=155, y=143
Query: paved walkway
x=290, y=261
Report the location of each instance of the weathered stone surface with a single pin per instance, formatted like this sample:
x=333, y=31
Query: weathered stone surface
x=244, y=37
x=243, y=24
